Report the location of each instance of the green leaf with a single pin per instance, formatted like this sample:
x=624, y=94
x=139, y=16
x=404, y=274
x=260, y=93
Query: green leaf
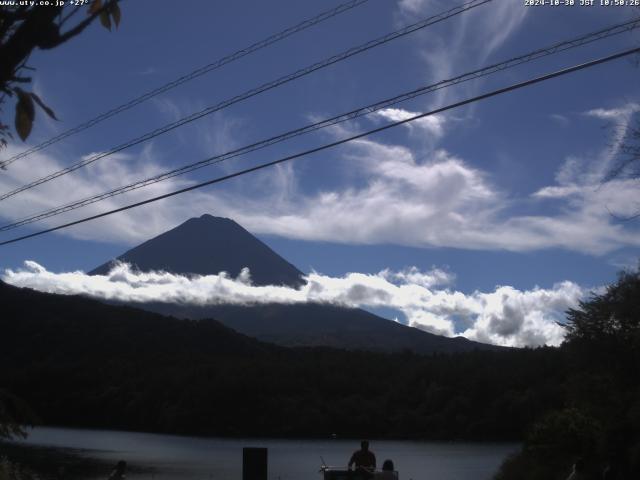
x=42, y=105
x=105, y=20
x=115, y=13
x=25, y=113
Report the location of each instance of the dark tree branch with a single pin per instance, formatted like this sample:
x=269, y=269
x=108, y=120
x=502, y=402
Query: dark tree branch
x=18, y=14
x=33, y=31
x=27, y=27
x=71, y=14
x=39, y=29
x=79, y=28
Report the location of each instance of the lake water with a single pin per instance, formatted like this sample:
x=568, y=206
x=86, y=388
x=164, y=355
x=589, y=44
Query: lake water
x=176, y=457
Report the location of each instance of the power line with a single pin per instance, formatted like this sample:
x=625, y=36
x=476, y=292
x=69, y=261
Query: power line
x=493, y=93
x=326, y=15
x=479, y=73
x=255, y=91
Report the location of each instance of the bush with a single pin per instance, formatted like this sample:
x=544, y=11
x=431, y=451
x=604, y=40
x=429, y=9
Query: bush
x=565, y=431
x=13, y=471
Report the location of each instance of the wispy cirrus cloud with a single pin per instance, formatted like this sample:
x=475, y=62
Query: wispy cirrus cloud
x=433, y=126
x=586, y=185
x=214, y=134
x=103, y=175
x=463, y=44
x=425, y=199
x=438, y=199
x=561, y=120
x=506, y=316
x=622, y=114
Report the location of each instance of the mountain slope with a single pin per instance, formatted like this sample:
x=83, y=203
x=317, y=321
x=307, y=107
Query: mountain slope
x=103, y=329
x=311, y=325
x=209, y=245
x=79, y=362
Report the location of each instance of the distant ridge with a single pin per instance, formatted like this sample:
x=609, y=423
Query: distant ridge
x=321, y=325
x=209, y=245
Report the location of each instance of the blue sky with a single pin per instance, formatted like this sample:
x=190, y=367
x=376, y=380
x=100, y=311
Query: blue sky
x=505, y=192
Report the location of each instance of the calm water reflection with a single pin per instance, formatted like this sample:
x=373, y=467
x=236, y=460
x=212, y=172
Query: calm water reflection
x=174, y=457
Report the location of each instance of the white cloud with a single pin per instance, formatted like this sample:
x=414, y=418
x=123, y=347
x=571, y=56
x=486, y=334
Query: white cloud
x=590, y=196
x=465, y=42
x=621, y=114
x=434, y=200
x=414, y=6
x=561, y=120
x=506, y=316
x=103, y=175
x=613, y=163
x=213, y=134
x=439, y=200
x=513, y=317
x=432, y=278
x=558, y=191
x=432, y=125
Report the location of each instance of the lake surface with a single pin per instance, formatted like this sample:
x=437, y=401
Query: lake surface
x=176, y=457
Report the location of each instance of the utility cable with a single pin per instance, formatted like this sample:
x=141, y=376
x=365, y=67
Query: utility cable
x=372, y=108
x=190, y=76
x=255, y=91
x=493, y=93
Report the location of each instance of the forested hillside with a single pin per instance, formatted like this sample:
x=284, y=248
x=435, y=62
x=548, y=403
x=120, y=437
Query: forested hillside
x=78, y=362
x=83, y=363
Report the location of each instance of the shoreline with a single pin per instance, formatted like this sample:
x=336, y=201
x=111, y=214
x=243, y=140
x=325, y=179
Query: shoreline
x=305, y=438
x=92, y=454
x=57, y=463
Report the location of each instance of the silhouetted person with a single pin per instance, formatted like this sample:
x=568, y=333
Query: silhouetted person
x=364, y=460
x=388, y=472
x=119, y=472
x=578, y=472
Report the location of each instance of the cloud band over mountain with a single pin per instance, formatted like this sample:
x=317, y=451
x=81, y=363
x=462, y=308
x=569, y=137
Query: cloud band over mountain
x=507, y=316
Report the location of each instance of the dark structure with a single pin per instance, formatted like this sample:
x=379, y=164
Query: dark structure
x=254, y=463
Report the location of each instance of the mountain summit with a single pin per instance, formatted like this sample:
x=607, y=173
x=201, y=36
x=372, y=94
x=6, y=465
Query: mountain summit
x=207, y=246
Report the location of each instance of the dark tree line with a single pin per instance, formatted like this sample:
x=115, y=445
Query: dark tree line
x=82, y=363
x=78, y=362
x=598, y=421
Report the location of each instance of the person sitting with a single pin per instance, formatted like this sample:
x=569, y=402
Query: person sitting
x=388, y=471
x=364, y=461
